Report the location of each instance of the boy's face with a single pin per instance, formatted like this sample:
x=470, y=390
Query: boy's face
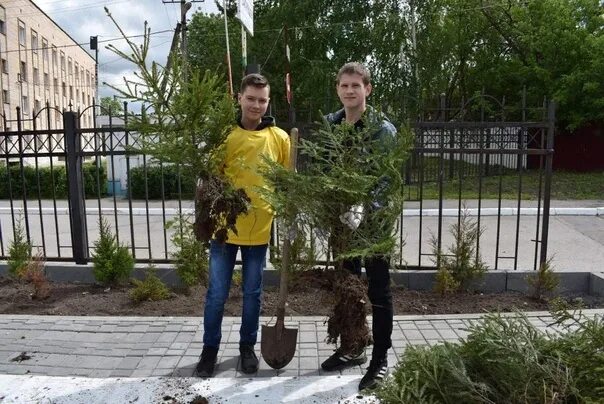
x=254, y=102
x=352, y=91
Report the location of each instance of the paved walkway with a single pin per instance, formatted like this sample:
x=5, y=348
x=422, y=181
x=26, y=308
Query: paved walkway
x=120, y=359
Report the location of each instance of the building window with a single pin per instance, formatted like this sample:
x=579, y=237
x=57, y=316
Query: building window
x=5, y=96
x=4, y=66
x=23, y=71
x=34, y=41
x=55, y=84
x=21, y=33
x=71, y=92
x=46, y=81
x=45, y=51
x=62, y=61
x=54, y=57
x=77, y=72
x=64, y=88
x=69, y=67
x=25, y=105
x=36, y=76
x=2, y=20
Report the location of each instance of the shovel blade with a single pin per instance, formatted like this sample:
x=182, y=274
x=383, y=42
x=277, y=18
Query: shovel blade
x=278, y=345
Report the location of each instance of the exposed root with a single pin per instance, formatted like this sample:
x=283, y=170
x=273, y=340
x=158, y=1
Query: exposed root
x=217, y=206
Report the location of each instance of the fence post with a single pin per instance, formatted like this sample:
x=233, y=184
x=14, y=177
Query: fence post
x=77, y=222
x=549, y=157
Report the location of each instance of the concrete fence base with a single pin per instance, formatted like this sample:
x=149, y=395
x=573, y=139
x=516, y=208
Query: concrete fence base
x=590, y=283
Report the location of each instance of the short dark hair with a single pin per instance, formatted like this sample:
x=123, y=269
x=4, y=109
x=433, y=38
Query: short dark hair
x=354, y=68
x=255, y=80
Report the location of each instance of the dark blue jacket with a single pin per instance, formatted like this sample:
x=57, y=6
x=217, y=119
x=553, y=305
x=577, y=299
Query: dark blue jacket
x=382, y=137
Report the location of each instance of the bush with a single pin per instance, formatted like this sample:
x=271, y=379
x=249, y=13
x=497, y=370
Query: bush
x=155, y=173
x=112, y=261
x=52, y=183
x=19, y=251
x=505, y=359
x=34, y=274
x=152, y=288
x=191, y=258
x=460, y=265
x=545, y=281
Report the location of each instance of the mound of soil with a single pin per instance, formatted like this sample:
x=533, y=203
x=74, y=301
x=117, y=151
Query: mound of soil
x=310, y=295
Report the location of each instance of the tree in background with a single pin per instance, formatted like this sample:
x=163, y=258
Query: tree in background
x=111, y=106
x=419, y=50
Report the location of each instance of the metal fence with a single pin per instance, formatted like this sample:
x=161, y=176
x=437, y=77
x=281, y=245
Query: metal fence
x=59, y=183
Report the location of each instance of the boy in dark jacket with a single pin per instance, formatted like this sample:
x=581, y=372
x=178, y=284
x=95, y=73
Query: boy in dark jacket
x=353, y=84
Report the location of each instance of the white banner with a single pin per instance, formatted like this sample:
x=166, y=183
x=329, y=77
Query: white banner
x=245, y=14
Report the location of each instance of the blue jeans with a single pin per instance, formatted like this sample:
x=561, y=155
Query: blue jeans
x=222, y=262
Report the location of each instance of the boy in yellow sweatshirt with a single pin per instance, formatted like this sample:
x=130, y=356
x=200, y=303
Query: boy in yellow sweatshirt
x=254, y=135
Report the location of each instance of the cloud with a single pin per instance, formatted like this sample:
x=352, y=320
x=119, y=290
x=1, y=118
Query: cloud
x=82, y=19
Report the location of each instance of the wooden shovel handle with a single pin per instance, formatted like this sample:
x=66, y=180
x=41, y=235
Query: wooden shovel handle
x=285, y=264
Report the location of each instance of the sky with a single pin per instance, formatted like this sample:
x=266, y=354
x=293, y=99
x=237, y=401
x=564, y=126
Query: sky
x=84, y=18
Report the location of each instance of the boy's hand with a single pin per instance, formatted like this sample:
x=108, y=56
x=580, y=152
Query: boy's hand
x=353, y=217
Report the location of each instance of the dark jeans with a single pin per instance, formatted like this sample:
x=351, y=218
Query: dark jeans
x=222, y=262
x=378, y=274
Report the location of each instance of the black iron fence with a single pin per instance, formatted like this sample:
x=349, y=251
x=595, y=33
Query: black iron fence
x=59, y=182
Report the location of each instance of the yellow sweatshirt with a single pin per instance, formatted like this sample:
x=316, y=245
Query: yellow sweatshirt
x=244, y=150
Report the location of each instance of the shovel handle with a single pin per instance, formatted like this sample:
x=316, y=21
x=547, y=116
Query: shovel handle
x=285, y=258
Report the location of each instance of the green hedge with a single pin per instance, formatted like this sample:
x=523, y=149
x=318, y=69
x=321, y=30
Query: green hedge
x=154, y=178
x=46, y=181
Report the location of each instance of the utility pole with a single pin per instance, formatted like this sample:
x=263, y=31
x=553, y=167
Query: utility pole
x=185, y=6
x=94, y=45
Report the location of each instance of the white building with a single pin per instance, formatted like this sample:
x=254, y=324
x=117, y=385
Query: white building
x=41, y=63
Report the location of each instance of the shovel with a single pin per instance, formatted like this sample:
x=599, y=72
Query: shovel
x=278, y=344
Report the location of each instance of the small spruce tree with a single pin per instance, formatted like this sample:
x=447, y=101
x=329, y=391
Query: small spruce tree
x=113, y=263
x=186, y=117
x=191, y=257
x=459, y=265
x=342, y=166
x=19, y=251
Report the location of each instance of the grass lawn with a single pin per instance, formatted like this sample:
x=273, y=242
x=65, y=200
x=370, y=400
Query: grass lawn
x=565, y=185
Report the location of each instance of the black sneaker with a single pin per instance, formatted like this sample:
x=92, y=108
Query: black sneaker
x=337, y=361
x=376, y=372
x=249, y=360
x=207, y=362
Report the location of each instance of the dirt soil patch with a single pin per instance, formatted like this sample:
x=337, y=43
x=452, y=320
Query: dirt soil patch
x=309, y=295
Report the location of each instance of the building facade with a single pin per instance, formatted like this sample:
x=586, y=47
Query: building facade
x=40, y=64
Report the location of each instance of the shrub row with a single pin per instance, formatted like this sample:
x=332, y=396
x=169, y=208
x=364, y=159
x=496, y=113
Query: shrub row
x=49, y=179
x=154, y=175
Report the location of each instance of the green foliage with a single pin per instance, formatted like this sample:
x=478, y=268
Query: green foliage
x=544, y=282
x=191, y=257
x=19, y=251
x=155, y=174
x=52, y=182
x=206, y=45
x=459, y=265
x=112, y=262
x=111, y=106
x=344, y=167
x=187, y=112
x=237, y=279
x=152, y=288
x=505, y=359
x=460, y=48
x=186, y=117
x=303, y=250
